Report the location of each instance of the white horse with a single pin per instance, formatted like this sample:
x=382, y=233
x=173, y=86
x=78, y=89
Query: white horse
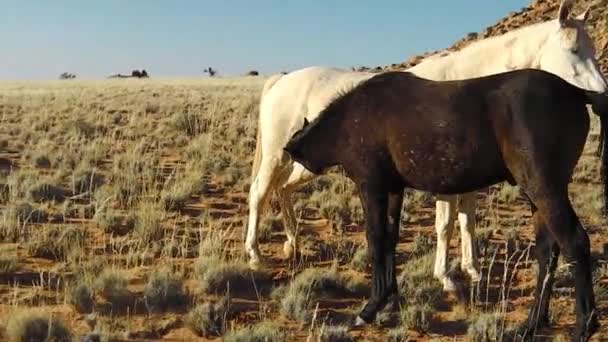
x=561, y=46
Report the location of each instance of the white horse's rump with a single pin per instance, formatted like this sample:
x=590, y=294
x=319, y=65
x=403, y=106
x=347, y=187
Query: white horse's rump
x=559, y=46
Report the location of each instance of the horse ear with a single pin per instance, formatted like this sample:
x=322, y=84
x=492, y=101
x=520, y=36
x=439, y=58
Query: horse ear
x=306, y=123
x=564, y=11
x=585, y=15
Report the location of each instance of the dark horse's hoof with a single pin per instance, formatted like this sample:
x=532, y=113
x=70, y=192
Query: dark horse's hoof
x=359, y=322
x=526, y=330
x=584, y=332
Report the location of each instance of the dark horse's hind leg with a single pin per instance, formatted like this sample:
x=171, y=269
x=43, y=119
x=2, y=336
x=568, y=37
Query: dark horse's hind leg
x=555, y=209
x=547, y=254
x=380, y=206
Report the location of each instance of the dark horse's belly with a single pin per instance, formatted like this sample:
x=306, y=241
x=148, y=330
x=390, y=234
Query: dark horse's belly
x=452, y=167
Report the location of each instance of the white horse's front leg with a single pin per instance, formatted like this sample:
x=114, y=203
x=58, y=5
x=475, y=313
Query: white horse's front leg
x=466, y=219
x=444, y=225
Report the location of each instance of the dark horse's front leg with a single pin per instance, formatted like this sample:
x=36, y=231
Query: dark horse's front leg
x=380, y=205
x=547, y=253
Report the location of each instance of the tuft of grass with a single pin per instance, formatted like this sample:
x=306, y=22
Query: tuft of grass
x=55, y=242
x=485, y=327
x=360, y=260
x=25, y=212
x=334, y=334
x=508, y=194
x=148, y=219
x=163, y=291
x=417, y=317
x=8, y=264
x=175, y=196
x=399, y=334
x=112, y=222
x=190, y=123
x=112, y=286
x=298, y=297
x=422, y=245
x=217, y=275
x=417, y=286
x=36, y=325
x=81, y=296
x=88, y=179
x=45, y=192
x=209, y=319
x=262, y=332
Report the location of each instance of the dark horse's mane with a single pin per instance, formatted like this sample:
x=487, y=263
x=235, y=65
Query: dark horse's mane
x=340, y=98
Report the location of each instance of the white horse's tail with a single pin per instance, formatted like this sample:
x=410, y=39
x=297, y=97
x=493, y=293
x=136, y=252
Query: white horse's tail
x=257, y=159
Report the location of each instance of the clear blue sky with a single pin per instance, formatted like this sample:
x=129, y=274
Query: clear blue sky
x=42, y=38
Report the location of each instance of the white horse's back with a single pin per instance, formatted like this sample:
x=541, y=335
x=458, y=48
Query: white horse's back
x=298, y=95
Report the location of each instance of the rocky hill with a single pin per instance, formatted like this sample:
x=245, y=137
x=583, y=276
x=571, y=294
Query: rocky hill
x=537, y=11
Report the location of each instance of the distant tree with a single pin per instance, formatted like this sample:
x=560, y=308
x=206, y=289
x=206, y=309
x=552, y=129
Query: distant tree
x=253, y=73
x=135, y=73
x=144, y=74
x=210, y=71
x=66, y=76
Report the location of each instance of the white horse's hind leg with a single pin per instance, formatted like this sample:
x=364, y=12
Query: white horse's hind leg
x=444, y=225
x=466, y=220
x=296, y=177
x=290, y=221
x=258, y=193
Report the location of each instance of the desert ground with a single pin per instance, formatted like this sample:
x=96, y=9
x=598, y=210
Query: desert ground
x=124, y=205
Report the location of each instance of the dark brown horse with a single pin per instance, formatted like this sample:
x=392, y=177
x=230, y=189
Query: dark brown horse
x=396, y=130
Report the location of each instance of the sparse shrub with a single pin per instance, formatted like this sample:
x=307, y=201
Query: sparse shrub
x=148, y=222
x=508, y=194
x=399, y=334
x=42, y=161
x=81, y=128
x=55, y=242
x=298, y=297
x=112, y=286
x=190, y=123
x=335, y=334
x=360, y=259
x=419, y=291
x=112, y=222
x=269, y=224
x=262, y=332
x=485, y=327
x=163, y=291
x=46, y=192
x=422, y=245
x=417, y=317
x=209, y=319
x=5, y=192
x=179, y=192
x=81, y=296
x=8, y=264
x=86, y=180
x=217, y=275
x=36, y=325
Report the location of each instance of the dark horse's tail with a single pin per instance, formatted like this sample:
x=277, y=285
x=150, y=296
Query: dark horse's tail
x=599, y=105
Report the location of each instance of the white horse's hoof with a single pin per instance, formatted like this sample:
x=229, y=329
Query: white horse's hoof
x=288, y=249
x=359, y=322
x=474, y=274
x=256, y=264
x=448, y=285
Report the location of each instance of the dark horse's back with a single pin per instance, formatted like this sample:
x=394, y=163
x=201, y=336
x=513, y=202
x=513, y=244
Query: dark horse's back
x=464, y=133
